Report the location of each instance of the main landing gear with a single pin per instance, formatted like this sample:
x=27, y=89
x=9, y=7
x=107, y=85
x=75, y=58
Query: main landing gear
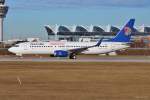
x=72, y=56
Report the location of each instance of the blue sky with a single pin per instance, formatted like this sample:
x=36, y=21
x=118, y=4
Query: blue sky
x=26, y=18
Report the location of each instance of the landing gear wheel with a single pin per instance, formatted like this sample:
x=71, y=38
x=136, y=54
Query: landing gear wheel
x=107, y=54
x=73, y=56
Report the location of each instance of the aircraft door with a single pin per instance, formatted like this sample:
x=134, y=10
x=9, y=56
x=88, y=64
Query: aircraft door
x=113, y=47
x=25, y=47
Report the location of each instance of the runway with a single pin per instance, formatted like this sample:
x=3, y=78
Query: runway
x=142, y=59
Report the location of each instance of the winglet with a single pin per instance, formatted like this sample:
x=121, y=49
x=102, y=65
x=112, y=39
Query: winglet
x=99, y=42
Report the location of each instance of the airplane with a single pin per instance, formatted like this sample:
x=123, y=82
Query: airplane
x=71, y=49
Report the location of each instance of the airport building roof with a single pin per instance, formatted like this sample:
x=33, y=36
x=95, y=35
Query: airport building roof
x=63, y=29
x=97, y=29
x=80, y=29
x=92, y=30
x=114, y=29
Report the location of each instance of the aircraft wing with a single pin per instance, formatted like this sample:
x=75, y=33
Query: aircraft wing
x=79, y=50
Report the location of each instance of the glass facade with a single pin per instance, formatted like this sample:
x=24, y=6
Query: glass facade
x=114, y=29
x=97, y=29
x=80, y=29
x=147, y=29
x=2, y=1
x=63, y=29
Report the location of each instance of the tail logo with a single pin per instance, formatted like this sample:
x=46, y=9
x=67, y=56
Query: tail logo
x=127, y=31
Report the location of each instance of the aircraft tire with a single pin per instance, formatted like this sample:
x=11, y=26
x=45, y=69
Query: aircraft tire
x=73, y=56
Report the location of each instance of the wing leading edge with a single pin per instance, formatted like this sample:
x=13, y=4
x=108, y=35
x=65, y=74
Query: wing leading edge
x=79, y=50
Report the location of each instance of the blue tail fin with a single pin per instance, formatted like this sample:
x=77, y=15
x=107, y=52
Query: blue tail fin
x=124, y=35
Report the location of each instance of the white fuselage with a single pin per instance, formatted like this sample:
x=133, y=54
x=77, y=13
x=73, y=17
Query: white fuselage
x=51, y=47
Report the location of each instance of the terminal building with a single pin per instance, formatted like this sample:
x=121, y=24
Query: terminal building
x=90, y=33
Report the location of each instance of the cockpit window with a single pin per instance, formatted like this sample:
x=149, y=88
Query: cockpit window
x=16, y=45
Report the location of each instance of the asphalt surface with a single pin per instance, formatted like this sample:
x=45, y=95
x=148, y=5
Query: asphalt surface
x=142, y=59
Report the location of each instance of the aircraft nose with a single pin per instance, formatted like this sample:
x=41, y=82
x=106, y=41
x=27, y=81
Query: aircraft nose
x=11, y=50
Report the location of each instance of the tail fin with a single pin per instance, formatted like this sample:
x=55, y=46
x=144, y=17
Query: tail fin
x=124, y=35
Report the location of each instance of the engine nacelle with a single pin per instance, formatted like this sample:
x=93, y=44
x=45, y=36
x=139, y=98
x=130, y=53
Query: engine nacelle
x=61, y=53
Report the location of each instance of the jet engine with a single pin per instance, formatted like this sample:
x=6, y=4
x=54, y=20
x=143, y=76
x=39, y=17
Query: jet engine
x=61, y=53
